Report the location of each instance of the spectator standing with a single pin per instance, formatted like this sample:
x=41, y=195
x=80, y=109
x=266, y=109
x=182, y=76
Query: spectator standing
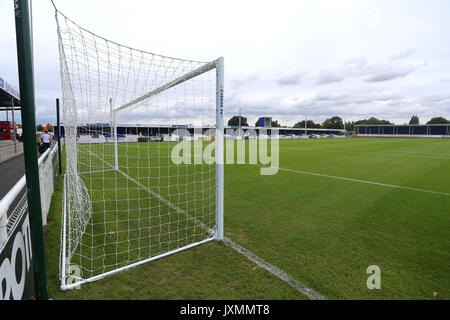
x=46, y=140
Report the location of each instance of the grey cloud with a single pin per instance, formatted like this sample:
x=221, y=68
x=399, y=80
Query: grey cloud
x=436, y=99
x=387, y=75
x=326, y=77
x=289, y=80
x=358, y=62
x=329, y=96
x=393, y=105
x=238, y=82
x=403, y=54
x=382, y=70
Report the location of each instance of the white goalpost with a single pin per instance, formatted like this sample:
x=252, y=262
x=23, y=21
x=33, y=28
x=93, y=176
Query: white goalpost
x=125, y=111
x=114, y=136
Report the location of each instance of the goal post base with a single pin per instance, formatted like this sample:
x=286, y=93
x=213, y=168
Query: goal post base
x=76, y=284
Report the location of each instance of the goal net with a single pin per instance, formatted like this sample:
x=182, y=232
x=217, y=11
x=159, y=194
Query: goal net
x=144, y=154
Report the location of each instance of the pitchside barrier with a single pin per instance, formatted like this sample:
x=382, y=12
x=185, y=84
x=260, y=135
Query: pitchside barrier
x=15, y=244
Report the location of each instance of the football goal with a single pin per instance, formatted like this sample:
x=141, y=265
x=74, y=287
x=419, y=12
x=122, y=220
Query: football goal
x=127, y=201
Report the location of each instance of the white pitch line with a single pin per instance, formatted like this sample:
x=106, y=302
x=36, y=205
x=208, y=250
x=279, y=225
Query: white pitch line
x=382, y=153
x=297, y=285
x=367, y=182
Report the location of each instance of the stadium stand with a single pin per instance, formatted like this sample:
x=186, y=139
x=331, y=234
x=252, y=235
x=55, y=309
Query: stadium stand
x=101, y=133
x=428, y=130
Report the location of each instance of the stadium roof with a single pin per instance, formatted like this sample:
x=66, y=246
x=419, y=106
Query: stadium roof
x=7, y=95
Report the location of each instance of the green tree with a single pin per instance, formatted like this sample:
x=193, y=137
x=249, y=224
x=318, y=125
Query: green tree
x=414, y=120
x=275, y=124
x=350, y=126
x=333, y=123
x=309, y=124
x=438, y=120
x=234, y=121
x=39, y=127
x=372, y=120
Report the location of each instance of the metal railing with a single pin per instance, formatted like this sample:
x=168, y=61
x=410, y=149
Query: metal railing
x=47, y=172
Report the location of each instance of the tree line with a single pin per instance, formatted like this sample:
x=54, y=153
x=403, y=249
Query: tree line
x=48, y=127
x=336, y=122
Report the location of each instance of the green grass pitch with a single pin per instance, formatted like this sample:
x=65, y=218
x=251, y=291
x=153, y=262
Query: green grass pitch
x=321, y=229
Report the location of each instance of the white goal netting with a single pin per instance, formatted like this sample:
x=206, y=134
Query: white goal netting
x=126, y=112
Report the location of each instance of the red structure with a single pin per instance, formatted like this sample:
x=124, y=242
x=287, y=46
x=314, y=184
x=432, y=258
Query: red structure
x=48, y=127
x=7, y=130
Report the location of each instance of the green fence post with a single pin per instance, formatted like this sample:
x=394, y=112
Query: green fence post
x=26, y=83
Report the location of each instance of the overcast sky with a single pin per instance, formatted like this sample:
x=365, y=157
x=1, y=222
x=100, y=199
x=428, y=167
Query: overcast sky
x=285, y=59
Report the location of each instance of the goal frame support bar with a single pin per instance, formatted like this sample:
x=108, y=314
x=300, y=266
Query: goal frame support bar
x=219, y=149
x=194, y=73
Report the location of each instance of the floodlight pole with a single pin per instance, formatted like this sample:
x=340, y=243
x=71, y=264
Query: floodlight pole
x=219, y=149
x=241, y=132
x=26, y=84
x=306, y=122
x=239, y=122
